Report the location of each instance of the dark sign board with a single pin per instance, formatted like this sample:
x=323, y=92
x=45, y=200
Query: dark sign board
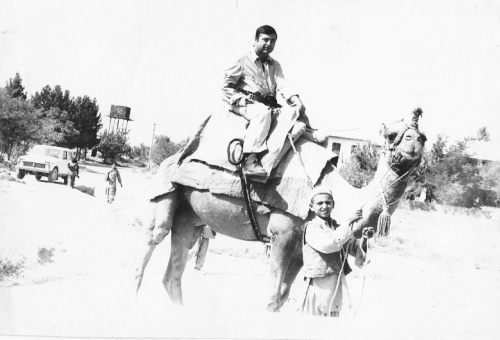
x=121, y=112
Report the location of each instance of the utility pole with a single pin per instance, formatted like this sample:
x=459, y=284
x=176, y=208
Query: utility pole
x=151, y=148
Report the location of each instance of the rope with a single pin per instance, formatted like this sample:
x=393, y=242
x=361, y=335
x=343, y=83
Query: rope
x=248, y=203
x=385, y=189
x=381, y=193
x=245, y=187
x=338, y=281
x=364, y=275
x=309, y=181
x=375, y=188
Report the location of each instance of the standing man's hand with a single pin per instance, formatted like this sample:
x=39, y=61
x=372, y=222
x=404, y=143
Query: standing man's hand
x=368, y=232
x=356, y=216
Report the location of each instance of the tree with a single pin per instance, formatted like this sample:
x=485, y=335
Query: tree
x=56, y=105
x=113, y=144
x=22, y=125
x=456, y=177
x=48, y=98
x=84, y=113
x=164, y=148
x=362, y=165
x=483, y=134
x=140, y=152
x=15, y=89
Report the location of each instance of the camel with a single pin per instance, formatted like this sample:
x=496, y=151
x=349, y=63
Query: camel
x=186, y=210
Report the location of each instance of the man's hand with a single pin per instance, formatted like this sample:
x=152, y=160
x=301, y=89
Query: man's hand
x=296, y=102
x=356, y=216
x=368, y=232
x=244, y=101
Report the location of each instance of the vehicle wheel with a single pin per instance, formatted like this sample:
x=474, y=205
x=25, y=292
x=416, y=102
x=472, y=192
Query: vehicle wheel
x=38, y=177
x=65, y=179
x=20, y=174
x=53, y=176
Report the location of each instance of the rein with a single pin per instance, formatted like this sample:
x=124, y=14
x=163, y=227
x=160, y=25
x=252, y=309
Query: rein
x=245, y=187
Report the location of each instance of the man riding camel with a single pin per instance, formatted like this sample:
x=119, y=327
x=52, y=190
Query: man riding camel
x=254, y=76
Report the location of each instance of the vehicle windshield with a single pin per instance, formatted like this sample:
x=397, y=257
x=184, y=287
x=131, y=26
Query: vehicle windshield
x=45, y=151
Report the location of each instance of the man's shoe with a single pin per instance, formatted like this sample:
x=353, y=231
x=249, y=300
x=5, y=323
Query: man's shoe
x=254, y=169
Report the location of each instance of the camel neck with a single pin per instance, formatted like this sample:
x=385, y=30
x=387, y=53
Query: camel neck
x=389, y=182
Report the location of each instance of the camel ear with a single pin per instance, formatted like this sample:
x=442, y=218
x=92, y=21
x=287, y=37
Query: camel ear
x=383, y=131
x=424, y=138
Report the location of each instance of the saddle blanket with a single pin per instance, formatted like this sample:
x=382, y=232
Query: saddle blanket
x=288, y=190
x=224, y=126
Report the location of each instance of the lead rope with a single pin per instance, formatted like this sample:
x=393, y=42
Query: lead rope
x=368, y=260
x=371, y=252
x=309, y=181
x=338, y=281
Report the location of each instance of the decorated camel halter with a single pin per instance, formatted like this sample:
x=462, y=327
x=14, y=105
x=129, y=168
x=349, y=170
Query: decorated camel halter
x=417, y=113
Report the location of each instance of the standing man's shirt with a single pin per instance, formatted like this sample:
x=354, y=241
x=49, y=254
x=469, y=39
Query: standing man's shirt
x=249, y=73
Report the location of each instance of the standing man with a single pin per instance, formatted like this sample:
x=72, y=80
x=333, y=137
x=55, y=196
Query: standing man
x=111, y=178
x=257, y=71
x=74, y=171
x=326, y=245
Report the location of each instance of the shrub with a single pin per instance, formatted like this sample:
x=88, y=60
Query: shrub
x=10, y=268
x=362, y=165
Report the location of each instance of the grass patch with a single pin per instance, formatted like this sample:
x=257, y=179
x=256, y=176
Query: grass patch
x=11, y=269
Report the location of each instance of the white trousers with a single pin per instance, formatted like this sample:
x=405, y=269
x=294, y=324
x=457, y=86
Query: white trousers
x=259, y=117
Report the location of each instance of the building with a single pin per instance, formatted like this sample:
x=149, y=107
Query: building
x=343, y=142
x=483, y=152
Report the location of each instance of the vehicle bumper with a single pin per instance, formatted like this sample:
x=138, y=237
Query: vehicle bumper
x=33, y=170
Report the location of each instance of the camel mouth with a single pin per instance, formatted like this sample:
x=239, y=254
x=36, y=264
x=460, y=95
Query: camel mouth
x=409, y=155
x=403, y=162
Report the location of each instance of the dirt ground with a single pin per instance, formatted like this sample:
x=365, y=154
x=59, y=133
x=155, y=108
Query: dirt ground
x=436, y=277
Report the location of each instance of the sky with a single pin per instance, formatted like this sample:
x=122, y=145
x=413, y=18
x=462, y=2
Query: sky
x=355, y=64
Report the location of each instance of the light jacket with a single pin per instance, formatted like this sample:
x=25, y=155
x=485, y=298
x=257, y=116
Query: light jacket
x=338, y=240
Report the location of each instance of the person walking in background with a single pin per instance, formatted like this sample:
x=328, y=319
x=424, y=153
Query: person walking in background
x=111, y=178
x=74, y=171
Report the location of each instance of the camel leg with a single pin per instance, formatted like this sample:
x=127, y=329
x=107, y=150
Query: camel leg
x=185, y=232
x=296, y=263
x=161, y=214
x=287, y=233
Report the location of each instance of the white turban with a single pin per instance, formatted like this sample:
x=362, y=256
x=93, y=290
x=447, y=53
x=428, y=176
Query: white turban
x=320, y=190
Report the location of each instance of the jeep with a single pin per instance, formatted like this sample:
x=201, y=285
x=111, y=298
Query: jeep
x=45, y=161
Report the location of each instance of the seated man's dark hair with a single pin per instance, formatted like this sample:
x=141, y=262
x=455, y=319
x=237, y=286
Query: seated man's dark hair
x=266, y=29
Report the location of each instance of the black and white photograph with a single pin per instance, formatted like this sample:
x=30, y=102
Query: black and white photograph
x=249, y=169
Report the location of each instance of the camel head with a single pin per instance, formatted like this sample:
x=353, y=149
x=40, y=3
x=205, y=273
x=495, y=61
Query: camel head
x=404, y=144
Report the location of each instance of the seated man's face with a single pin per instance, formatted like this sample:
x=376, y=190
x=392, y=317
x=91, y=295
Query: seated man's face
x=264, y=45
x=322, y=205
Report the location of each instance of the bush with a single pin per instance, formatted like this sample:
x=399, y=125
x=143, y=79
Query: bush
x=164, y=148
x=113, y=144
x=362, y=165
x=10, y=268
